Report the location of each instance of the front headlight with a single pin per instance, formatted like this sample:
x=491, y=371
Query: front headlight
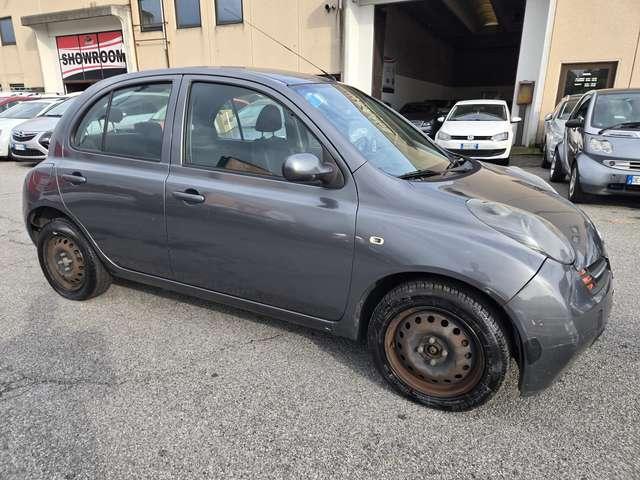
x=500, y=137
x=443, y=135
x=527, y=228
x=600, y=146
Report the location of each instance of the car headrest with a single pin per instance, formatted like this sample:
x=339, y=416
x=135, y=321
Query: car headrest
x=115, y=115
x=269, y=120
x=151, y=130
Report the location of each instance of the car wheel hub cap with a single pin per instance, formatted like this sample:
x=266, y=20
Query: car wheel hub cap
x=434, y=352
x=65, y=262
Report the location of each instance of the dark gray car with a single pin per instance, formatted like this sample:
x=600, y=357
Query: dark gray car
x=601, y=147
x=333, y=212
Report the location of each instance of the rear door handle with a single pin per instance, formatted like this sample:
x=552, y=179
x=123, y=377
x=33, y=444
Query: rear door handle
x=190, y=196
x=75, y=178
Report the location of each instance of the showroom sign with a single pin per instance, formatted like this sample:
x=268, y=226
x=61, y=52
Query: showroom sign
x=91, y=56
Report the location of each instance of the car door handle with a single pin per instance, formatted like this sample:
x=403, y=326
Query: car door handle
x=190, y=196
x=75, y=178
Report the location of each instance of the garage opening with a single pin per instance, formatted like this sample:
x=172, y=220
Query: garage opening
x=430, y=54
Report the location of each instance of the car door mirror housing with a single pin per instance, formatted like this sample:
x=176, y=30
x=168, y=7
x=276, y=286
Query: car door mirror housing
x=517, y=119
x=307, y=168
x=548, y=117
x=575, y=123
x=440, y=119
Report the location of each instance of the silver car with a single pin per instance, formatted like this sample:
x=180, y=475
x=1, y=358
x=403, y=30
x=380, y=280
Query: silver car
x=601, y=146
x=30, y=140
x=554, y=127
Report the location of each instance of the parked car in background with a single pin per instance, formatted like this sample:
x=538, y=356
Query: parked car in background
x=321, y=219
x=424, y=115
x=554, y=127
x=30, y=139
x=601, y=145
x=9, y=101
x=18, y=114
x=478, y=129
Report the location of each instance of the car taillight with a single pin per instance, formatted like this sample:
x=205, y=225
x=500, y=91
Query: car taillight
x=587, y=279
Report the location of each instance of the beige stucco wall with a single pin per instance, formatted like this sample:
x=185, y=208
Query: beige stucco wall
x=21, y=63
x=593, y=31
x=302, y=25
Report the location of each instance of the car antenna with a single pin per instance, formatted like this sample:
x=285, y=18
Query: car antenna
x=287, y=48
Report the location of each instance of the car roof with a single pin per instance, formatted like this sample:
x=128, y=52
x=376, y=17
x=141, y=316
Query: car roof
x=481, y=101
x=606, y=91
x=280, y=76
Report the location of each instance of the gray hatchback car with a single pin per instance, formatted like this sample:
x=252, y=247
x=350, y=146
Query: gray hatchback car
x=327, y=209
x=601, y=148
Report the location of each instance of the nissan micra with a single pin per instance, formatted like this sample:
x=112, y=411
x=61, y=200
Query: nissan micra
x=304, y=199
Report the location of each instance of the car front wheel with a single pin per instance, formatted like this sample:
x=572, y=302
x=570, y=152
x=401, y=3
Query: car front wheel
x=69, y=263
x=576, y=194
x=556, y=172
x=439, y=344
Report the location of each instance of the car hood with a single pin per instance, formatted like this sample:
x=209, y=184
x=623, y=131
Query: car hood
x=9, y=123
x=518, y=188
x=475, y=128
x=39, y=124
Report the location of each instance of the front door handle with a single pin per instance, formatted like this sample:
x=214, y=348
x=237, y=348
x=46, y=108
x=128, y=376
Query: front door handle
x=190, y=196
x=76, y=178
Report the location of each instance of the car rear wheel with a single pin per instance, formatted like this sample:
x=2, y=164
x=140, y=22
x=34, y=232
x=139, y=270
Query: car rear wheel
x=576, y=194
x=556, y=172
x=69, y=263
x=439, y=344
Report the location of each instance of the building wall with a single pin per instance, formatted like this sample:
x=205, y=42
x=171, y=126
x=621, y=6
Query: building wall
x=593, y=31
x=304, y=26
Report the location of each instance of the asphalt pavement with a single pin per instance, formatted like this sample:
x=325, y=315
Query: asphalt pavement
x=143, y=383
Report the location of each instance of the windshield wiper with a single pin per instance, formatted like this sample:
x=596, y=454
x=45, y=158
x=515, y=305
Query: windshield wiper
x=619, y=125
x=458, y=160
x=420, y=174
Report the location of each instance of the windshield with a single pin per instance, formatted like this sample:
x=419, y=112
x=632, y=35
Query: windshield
x=566, y=109
x=478, y=112
x=24, y=110
x=58, y=109
x=614, y=108
x=382, y=136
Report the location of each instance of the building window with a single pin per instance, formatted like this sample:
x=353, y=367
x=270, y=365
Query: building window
x=16, y=87
x=150, y=15
x=7, y=35
x=228, y=11
x=187, y=13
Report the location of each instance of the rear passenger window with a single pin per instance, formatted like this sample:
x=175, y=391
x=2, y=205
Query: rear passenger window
x=129, y=122
x=238, y=129
x=89, y=133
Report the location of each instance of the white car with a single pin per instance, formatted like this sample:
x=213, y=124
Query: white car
x=478, y=129
x=18, y=114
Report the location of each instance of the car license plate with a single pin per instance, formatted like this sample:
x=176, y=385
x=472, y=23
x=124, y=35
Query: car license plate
x=468, y=146
x=633, y=180
x=19, y=146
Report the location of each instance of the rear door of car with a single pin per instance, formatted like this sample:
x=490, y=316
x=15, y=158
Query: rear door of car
x=234, y=224
x=115, y=163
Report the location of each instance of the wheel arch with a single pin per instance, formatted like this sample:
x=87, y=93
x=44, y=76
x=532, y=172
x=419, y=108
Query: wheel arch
x=380, y=288
x=40, y=216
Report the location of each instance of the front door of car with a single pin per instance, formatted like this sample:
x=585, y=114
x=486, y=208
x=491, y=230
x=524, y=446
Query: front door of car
x=234, y=224
x=114, y=167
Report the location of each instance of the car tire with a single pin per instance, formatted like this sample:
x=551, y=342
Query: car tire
x=502, y=161
x=69, y=262
x=575, y=192
x=439, y=344
x=546, y=163
x=556, y=171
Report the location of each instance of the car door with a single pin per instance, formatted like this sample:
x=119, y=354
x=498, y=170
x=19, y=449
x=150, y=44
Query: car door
x=234, y=224
x=113, y=171
x=574, y=142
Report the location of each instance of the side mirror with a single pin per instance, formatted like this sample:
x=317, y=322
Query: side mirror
x=548, y=117
x=516, y=119
x=306, y=168
x=575, y=123
x=440, y=119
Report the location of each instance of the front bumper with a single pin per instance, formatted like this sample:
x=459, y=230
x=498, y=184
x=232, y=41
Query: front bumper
x=599, y=179
x=557, y=317
x=486, y=149
x=31, y=151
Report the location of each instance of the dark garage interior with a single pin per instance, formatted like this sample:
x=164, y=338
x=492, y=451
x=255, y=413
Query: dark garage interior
x=446, y=50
